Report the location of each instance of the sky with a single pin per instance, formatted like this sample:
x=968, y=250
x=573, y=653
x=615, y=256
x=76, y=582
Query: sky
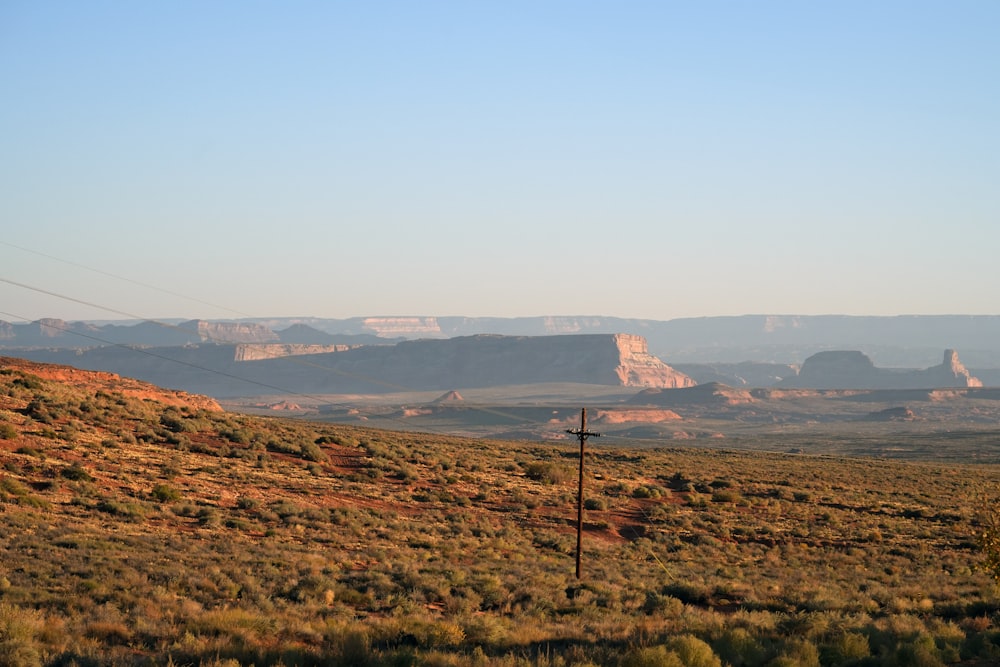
x=633, y=159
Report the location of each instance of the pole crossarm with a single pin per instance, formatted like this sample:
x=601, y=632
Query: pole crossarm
x=582, y=434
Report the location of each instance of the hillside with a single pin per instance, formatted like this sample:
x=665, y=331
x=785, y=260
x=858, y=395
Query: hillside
x=143, y=526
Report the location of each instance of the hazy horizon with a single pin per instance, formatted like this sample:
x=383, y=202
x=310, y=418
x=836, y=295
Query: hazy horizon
x=654, y=160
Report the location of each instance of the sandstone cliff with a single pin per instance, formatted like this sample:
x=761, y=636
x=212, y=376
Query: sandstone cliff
x=230, y=332
x=256, y=352
x=638, y=368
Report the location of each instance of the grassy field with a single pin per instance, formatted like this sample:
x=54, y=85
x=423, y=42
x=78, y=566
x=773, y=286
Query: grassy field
x=142, y=527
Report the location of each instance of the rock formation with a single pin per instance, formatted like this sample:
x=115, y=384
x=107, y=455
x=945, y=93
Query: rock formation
x=388, y=327
x=231, y=332
x=951, y=373
x=638, y=368
x=854, y=370
x=711, y=394
x=256, y=352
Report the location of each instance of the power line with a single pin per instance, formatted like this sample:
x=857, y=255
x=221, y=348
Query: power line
x=122, y=278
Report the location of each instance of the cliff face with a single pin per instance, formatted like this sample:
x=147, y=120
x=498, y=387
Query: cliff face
x=231, y=332
x=389, y=327
x=256, y=352
x=854, y=370
x=485, y=360
x=638, y=368
x=950, y=373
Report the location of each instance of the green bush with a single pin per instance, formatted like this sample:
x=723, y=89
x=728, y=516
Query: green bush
x=546, y=472
x=76, y=473
x=653, y=656
x=7, y=431
x=164, y=493
x=694, y=652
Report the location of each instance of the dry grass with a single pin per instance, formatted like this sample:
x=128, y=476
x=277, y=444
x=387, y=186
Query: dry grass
x=138, y=532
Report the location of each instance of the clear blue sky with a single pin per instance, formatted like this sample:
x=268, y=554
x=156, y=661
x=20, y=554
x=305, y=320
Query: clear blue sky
x=638, y=159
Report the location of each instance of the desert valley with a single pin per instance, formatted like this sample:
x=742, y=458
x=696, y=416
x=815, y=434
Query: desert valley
x=364, y=500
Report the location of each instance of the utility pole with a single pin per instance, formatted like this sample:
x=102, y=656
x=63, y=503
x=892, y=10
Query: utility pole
x=582, y=433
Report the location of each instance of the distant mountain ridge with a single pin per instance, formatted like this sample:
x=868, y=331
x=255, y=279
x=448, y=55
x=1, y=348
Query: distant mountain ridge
x=620, y=360
x=905, y=341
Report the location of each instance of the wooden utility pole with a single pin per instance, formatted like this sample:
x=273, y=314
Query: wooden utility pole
x=582, y=433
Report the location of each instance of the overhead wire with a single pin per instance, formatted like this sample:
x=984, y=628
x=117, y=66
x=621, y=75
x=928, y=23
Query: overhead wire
x=123, y=278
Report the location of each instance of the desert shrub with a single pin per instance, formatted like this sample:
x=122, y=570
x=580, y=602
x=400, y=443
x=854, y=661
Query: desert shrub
x=725, y=496
x=176, y=422
x=7, y=431
x=920, y=652
x=598, y=504
x=846, y=648
x=737, y=647
x=653, y=656
x=208, y=516
x=678, y=482
x=647, y=491
x=352, y=646
x=546, y=472
x=694, y=652
x=247, y=503
x=76, y=473
x=132, y=511
x=19, y=630
x=39, y=411
x=28, y=381
x=164, y=493
x=662, y=605
x=798, y=653
x=12, y=487
x=240, y=436
x=988, y=520
x=313, y=452
x=338, y=439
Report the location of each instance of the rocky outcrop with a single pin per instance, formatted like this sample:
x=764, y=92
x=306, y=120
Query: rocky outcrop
x=255, y=352
x=711, y=394
x=389, y=327
x=854, y=370
x=231, y=332
x=449, y=397
x=950, y=373
x=638, y=368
